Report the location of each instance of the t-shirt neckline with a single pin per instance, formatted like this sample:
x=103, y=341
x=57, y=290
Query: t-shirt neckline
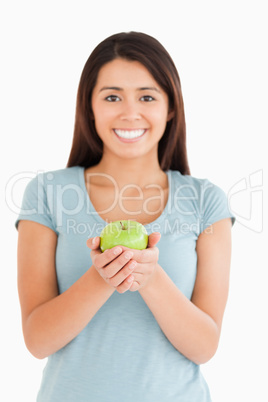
x=101, y=220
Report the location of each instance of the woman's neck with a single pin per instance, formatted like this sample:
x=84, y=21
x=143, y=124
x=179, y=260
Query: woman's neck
x=138, y=172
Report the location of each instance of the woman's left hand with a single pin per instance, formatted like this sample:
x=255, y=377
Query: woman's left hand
x=146, y=262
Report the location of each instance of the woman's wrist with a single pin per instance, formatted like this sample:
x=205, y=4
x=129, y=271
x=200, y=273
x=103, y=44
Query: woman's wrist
x=151, y=285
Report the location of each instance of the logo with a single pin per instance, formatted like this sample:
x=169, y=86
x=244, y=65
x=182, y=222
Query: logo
x=246, y=201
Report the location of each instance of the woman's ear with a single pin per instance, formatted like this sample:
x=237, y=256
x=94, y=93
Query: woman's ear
x=170, y=115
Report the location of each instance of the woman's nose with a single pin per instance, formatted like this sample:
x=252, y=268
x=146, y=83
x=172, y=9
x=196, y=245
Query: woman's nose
x=130, y=111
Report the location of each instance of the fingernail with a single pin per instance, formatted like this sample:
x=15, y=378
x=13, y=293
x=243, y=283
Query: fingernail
x=128, y=255
x=130, y=278
x=132, y=264
x=117, y=250
x=94, y=240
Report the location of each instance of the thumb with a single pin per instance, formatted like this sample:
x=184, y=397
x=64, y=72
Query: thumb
x=153, y=239
x=93, y=242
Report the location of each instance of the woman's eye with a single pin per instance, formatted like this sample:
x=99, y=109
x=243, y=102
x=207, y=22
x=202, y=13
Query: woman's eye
x=112, y=98
x=147, y=98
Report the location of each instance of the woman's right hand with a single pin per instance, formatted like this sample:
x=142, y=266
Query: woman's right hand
x=114, y=265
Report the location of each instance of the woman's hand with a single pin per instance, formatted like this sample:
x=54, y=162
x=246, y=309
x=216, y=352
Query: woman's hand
x=114, y=265
x=124, y=268
x=146, y=263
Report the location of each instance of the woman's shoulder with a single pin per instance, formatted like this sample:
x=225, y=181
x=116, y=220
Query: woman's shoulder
x=46, y=191
x=209, y=200
x=69, y=175
x=43, y=183
x=188, y=183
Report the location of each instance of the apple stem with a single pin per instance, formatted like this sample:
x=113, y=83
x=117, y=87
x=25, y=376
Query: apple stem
x=123, y=227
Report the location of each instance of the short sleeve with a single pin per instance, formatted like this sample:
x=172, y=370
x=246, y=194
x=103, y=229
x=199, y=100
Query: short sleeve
x=214, y=205
x=34, y=204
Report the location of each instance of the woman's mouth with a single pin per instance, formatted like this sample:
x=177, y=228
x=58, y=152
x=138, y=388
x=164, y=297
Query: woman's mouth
x=129, y=135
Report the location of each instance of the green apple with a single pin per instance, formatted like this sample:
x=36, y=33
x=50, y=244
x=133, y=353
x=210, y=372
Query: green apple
x=126, y=233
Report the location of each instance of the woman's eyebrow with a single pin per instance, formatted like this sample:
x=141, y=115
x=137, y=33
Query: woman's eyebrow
x=138, y=89
x=149, y=89
x=113, y=88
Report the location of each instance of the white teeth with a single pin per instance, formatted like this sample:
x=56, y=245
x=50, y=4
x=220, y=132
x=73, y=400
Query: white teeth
x=129, y=134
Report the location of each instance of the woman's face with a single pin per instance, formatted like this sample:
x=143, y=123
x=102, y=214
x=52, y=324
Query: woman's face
x=130, y=109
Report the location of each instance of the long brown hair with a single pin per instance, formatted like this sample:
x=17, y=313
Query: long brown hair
x=87, y=146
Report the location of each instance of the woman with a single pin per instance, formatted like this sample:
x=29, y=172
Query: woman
x=126, y=324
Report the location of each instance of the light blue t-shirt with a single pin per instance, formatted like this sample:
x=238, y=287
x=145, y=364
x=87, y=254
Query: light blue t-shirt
x=122, y=355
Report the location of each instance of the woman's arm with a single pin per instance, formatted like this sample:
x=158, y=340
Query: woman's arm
x=50, y=320
x=193, y=327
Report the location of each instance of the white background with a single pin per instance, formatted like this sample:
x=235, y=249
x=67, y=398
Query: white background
x=220, y=49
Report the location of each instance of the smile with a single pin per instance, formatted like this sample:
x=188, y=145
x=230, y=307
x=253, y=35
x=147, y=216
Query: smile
x=129, y=134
